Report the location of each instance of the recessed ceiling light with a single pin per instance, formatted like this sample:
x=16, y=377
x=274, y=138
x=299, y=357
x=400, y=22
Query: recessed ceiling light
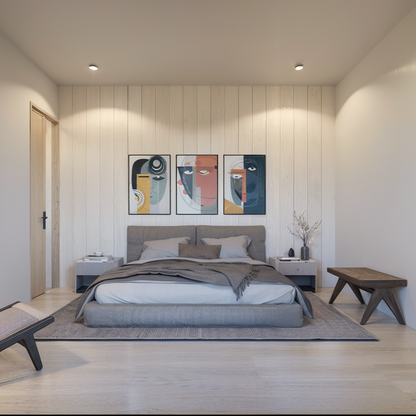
x=299, y=67
x=93, y=67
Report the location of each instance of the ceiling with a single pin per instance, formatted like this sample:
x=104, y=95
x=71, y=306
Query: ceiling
x=198, y=42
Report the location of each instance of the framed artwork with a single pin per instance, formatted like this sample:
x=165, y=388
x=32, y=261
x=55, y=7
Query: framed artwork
x=149, y=184
x=197, y=184
x=245, y=184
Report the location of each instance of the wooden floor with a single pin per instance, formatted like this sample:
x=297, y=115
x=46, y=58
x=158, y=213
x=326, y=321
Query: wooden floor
x=207, y=377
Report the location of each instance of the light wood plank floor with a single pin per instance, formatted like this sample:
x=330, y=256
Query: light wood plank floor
x=207, y=377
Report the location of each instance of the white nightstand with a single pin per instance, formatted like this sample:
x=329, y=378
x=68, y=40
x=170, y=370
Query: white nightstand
x=87, y=271
x=301, y=272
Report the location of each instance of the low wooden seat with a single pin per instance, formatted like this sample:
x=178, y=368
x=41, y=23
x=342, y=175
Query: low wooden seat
x=18, y=323
x=379, y=284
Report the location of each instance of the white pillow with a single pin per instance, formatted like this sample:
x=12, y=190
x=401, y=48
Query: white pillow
x=162, y=248
x=231, y=247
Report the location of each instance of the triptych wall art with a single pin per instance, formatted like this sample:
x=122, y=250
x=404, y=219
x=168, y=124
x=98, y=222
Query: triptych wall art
x=149, y=184
x=244, y=184
x=196, y=184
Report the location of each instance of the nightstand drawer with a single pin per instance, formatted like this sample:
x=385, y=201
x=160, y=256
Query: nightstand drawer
x=296, y=268
x=301, y=272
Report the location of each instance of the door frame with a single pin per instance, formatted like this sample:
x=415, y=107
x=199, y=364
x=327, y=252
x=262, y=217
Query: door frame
x=54, y=214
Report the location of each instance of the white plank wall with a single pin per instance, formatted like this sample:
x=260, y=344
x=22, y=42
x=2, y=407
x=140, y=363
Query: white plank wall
x=79, y=171
x=300, y=162
x=93, y=213
x=101, y=126
x=120, y=171
x=107, y=171
x=328, y=185
x=66, y=198
x=314, y=209
x=273, y=177
x=286, y=182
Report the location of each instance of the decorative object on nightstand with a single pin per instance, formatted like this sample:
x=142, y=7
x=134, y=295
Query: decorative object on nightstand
x=303, y=231
x=291, y=253
x=87, y=270
x=301, y=272
x=96, y=257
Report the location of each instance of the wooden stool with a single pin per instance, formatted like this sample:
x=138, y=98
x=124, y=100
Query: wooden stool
x=18, y=323
x=379, y=284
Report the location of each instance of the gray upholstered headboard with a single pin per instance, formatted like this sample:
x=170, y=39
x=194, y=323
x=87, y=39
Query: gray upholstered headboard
x=137, y=235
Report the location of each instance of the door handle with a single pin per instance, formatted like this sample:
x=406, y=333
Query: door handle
x=44, y=217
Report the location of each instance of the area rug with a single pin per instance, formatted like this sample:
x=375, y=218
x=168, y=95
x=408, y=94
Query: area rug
x=328, y=325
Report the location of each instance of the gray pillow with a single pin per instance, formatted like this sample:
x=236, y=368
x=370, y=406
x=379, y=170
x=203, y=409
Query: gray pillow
x=231, y=247
x=199, y=252
x=162, y=248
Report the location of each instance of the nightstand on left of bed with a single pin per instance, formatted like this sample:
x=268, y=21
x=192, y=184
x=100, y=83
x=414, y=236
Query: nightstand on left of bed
x=87, y=271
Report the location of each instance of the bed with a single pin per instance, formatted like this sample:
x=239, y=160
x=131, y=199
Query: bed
x=194, y=276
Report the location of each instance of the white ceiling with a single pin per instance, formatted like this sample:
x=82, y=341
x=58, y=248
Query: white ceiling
x=198, y=42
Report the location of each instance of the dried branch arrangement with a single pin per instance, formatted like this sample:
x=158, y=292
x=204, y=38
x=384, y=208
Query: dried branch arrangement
x=303, y=231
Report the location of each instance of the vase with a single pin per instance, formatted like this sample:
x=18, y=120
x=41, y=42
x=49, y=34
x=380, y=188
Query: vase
x=304, y=253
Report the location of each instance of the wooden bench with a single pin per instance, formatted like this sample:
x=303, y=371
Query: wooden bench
x=379, y=284
x=18, y=324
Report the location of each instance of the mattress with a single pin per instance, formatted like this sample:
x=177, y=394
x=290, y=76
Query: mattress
x=148, y=292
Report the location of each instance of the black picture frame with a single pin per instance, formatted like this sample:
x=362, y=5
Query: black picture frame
x=149, y=184
x=196, y=184
x=244, y=186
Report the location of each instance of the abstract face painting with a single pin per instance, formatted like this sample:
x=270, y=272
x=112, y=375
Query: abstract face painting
x=197, y=184
x=244, y=184
x=149, y=190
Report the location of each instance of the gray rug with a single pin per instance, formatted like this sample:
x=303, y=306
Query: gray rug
x=328, y=325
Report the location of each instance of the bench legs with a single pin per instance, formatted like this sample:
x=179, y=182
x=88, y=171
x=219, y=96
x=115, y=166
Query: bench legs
x=340, y=285
x=30, y=344
x=377, y=295
x=25, y=337
x=388, y=297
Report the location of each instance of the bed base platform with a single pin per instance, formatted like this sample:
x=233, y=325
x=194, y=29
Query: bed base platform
x=180, y=315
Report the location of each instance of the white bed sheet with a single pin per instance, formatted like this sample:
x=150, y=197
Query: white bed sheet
x=192, y=293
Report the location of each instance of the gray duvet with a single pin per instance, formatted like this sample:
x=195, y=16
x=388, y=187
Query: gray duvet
x=237, y=274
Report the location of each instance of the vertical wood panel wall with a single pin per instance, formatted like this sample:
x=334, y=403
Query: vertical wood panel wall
x=101, y=126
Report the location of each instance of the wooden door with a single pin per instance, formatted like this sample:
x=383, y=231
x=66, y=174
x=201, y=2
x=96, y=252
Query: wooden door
x=37, y=204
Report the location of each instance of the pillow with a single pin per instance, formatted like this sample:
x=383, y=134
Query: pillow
x=162, y=248
x=199, y=252
x=231, y=247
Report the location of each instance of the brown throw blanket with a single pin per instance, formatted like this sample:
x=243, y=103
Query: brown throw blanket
x=237, y=275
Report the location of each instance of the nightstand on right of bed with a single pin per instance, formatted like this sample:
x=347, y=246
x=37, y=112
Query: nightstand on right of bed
x=300, y=272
